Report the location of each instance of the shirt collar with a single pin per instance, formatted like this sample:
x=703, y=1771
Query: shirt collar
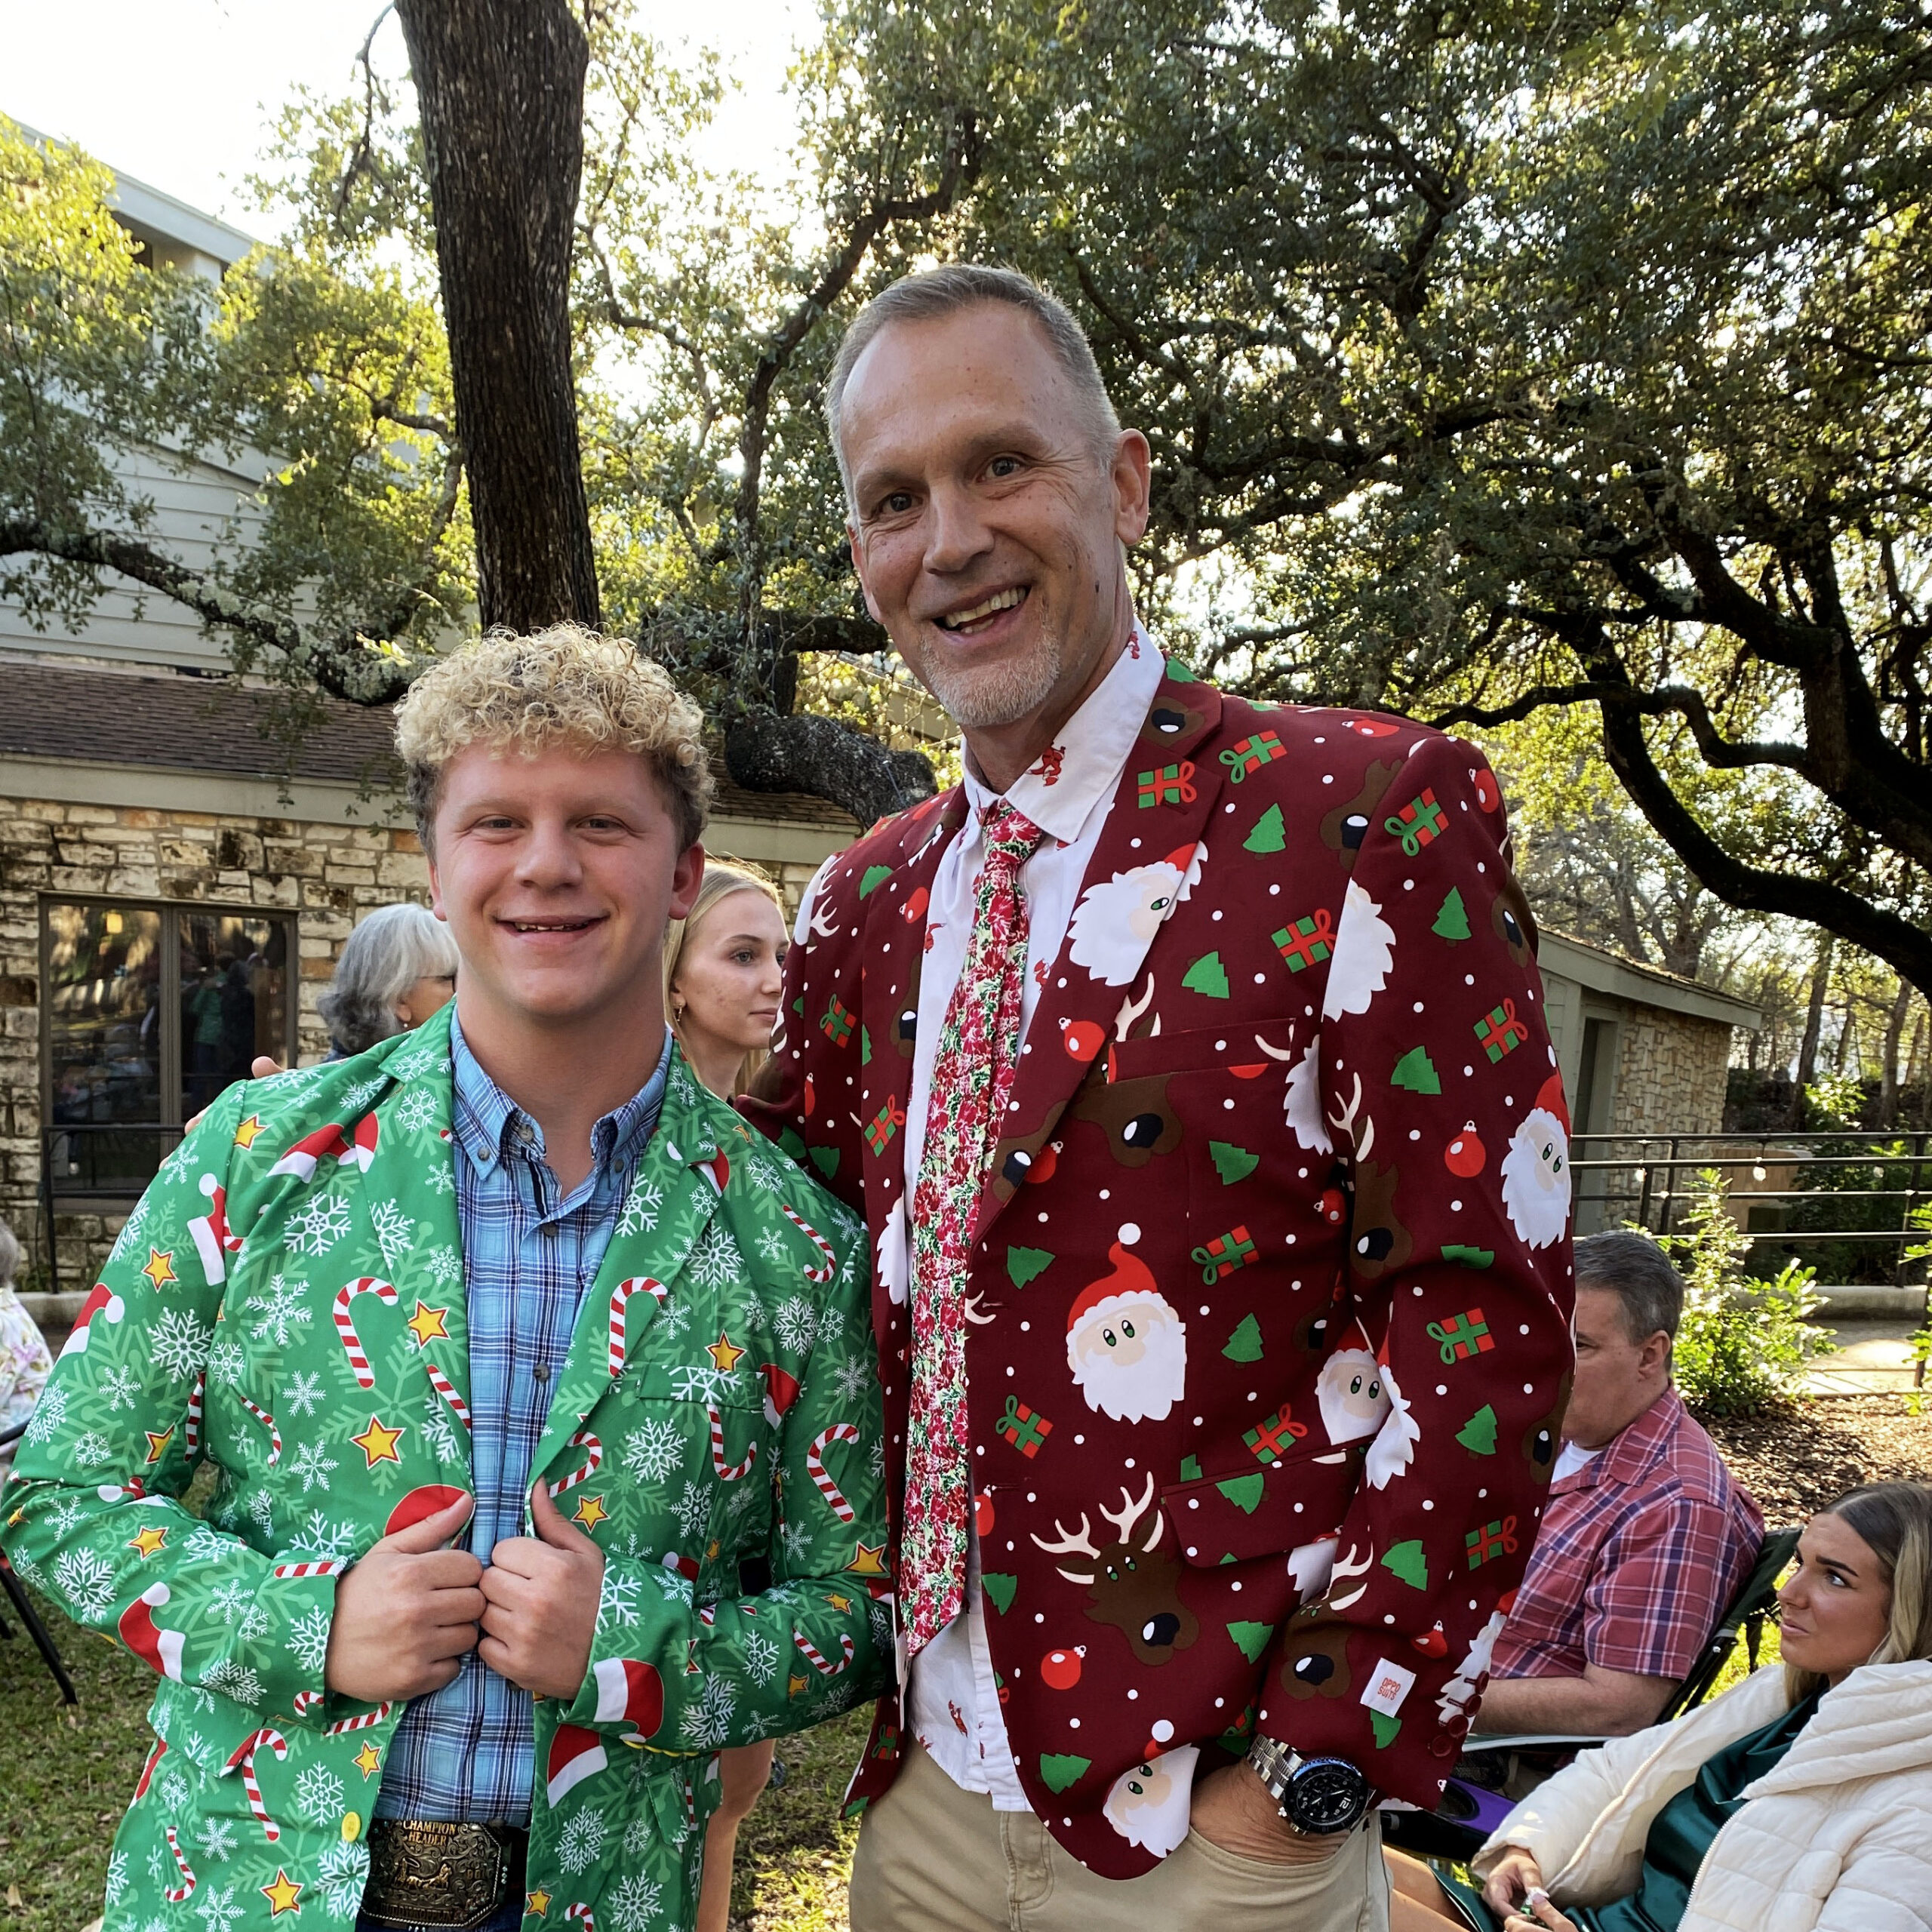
x=1629, y=1453
x=1082, y=766
x=490, y=1124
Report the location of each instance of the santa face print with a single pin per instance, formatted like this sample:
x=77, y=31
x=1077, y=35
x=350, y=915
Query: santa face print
x=1353, y=1400
x=1148, y=1805
x=1126, y=1346
x=1536, y=1179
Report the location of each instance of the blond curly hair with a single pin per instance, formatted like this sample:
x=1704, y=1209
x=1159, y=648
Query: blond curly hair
x=565, y=685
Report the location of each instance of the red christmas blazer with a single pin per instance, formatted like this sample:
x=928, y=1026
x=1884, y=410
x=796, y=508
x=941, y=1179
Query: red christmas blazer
x=1272, y=1277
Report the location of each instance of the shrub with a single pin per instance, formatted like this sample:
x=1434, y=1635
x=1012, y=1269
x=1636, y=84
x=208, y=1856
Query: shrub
x=1742, y=1345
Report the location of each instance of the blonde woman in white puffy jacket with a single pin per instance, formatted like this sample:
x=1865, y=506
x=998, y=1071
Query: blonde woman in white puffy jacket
x=1799, y=1801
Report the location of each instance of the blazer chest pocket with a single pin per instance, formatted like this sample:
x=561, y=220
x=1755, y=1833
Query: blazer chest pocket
x=1260, y=1510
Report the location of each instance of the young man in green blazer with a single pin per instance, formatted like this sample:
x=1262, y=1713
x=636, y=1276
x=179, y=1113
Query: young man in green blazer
x=536, y=1392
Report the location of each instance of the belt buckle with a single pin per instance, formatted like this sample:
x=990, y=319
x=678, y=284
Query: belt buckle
x=427, y=1873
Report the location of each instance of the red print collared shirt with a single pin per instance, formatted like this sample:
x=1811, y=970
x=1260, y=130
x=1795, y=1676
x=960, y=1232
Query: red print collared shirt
x=1639, y=1553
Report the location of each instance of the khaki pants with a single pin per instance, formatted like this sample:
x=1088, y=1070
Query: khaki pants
x=933, y=1858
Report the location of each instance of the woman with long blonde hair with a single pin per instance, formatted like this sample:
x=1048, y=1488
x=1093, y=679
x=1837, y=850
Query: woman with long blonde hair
x=722, y=981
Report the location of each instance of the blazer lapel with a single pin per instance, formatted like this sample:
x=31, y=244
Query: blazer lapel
x=1152, y=845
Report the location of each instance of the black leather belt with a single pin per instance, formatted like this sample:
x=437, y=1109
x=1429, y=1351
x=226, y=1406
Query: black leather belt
x=424, y=1873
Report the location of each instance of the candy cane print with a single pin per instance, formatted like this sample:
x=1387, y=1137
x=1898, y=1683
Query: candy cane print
x=175, y=1894
x=593, y=1461
x=733, y=1472
x=440, y=1383
x=305, y=1701
x=619, y=1295
x=579, y=1910
x=368, y=1721
x=267, y=1421
x=818, y=1241
x=318, y=1566
x=244, y=1757
x=192, y=1435
x=817, y=1660
x=351, y=1343
x=839, y=1431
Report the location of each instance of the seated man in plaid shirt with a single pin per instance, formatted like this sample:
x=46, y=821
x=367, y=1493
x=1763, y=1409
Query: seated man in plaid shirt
x=1647, y=1537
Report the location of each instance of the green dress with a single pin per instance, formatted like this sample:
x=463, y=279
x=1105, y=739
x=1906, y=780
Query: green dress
x=284, y=1311
x=1680, y=1836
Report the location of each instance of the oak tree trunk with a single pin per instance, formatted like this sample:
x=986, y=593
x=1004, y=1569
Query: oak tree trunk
x=500, y=86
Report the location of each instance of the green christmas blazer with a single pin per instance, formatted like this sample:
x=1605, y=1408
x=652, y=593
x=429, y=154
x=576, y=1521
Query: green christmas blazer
x=285, y=1309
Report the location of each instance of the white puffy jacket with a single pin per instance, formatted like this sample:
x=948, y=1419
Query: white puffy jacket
x=1836, y=1838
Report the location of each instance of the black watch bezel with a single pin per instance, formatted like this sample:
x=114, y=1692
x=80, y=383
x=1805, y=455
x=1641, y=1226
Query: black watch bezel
x=1325, y=1795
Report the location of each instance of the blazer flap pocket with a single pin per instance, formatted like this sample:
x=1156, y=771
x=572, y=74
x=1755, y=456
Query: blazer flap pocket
x=1202, y=1050
x=1264, y=1510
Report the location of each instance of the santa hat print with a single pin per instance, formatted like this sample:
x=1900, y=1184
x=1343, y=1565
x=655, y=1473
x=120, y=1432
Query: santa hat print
x=213, y=1242
x=1131, y=1280
x=160, y=1649
x=629, y=1692
x=575, y=1755
x=325, y=1143
x=781, y=1391
x=102, y=1300
x=1550, y=1098
x=361, y=1148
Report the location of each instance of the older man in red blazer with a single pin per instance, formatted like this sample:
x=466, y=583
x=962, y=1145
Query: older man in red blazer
x=1188, y=1063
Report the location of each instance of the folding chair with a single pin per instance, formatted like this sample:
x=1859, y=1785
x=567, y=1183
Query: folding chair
x=1477, y=1800
x=24, y=1604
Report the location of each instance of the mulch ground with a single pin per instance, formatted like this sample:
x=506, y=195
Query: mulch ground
x=1795, y=1461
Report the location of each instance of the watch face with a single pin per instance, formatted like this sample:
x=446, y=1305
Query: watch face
x=1327, y=1795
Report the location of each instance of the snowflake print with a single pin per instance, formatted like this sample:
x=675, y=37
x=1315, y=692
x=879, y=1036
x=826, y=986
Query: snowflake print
x=66, y=1517
x=797, y=1324
x=255, y=1622
x=676, y=1318
x=179, y=1344
x=204, y=1547
x=581, y=1840
x=640, y=1209
x=441, y=1179
x=755, y=1724
x=231, y=1600
x=318, y=1794
x=322, y=1224
x=760, y=1657
x=117, y=1877
x=225, y=1363
x=173, y=1790
x=416, y=1111
x=876, y=1457
x=120, y=1388
x=438, y=1430
x=654, y=1451
x=261, y=1506
x=853, y=1377
x=157, y=1857
x=615, y=1609
x=325, y=1537
x=693, y=1510
x=393, y=1230
x=129, y=1237
x=702, y=1382
x=638, y=1835
x=343, y=1869
x=443, y=1265
x=772, y=1246
x=797, y=1541
x=49, y=1413
x=764, y=1174
x=707, y=1722
x=302, y=1394
x=714, y=1262
x=219, y=1910
x=87, y=1579
x=356, y=1099
x=281, y=1310
x=312, y=1463
x=234, y=1680
x=91, y=1448
x=309, y=1642
x=635, y=1902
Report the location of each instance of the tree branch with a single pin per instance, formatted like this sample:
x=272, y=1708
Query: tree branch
x=764, y=752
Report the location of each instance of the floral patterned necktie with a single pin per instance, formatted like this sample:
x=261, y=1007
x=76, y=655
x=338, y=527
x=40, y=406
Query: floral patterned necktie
x=972, y=1076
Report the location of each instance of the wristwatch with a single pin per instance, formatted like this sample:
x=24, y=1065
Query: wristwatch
x=1316, y=1795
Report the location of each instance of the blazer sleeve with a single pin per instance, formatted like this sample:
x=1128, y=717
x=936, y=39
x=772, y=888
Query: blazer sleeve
x=798, y=1097
x=1438, y=1084
x=93, y=1516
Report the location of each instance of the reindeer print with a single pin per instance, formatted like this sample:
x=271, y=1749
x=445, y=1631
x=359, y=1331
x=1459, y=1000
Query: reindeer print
x=1129, y=1587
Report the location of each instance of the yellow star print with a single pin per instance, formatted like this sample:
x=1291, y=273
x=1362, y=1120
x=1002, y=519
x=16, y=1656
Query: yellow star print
x=368, y=1761
x=722, y=1352
x=870, y=1560
x=538, y=1902
x=148, y=1541
x=160, y=1269
x=427, y=1325
x=282, y=1894
x=158, y=1444
x=378, y=1443
x=246, y=1130
x=591, y=1511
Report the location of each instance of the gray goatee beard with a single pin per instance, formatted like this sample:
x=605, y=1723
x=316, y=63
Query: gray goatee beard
x=985, y=697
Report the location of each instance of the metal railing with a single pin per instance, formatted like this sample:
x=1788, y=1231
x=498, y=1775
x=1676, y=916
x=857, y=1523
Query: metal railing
x=1844, y=1198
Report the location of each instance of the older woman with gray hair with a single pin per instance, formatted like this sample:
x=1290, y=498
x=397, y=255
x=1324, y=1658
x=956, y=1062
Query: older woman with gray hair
x=398, y=967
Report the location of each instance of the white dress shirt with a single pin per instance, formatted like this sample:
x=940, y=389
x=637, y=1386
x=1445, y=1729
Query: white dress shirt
x=954, y=1701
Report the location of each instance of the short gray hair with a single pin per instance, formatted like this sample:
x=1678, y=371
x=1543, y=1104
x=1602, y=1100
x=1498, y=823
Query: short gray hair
x=393, y=948
x=1633, y=1267
x=945, y=292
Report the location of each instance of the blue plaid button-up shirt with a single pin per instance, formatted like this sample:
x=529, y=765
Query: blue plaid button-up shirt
x=465, y=1753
